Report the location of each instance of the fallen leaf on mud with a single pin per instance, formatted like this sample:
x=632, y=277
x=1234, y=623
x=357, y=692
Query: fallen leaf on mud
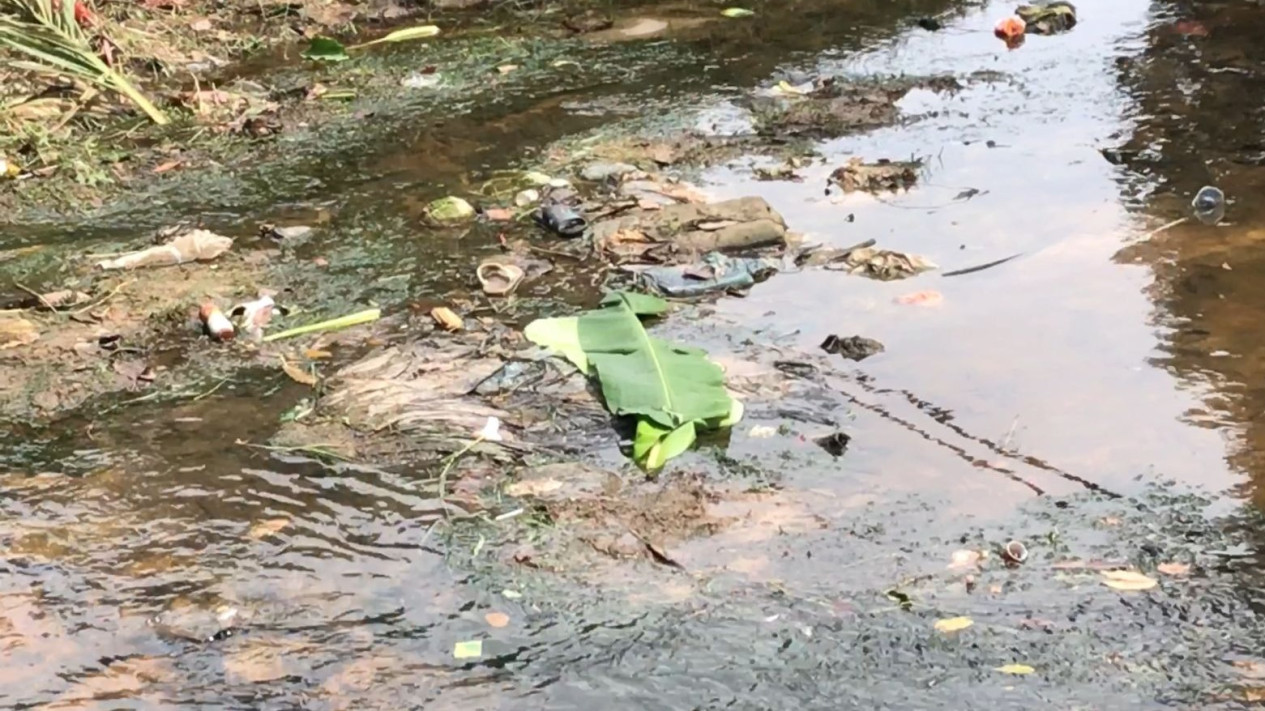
x=325, y=49
x=1015, y=669
x=856, y=348
x=881, y=264
x=497, y=619
x=317, y=354
x=16, y=332
x=953, y=624
x=737, y=12
x=445, y=317
x=472, y=649
x=533, y=487
x=921, y=298
x=1173, y=568
x=269, y=527
x=685, y=391
x=194, y=245
x=836, y=444
x=296, y=373
x=881, y=176
x=1127, y=580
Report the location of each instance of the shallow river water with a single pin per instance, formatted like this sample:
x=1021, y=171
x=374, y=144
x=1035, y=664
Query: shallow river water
x=147, y=563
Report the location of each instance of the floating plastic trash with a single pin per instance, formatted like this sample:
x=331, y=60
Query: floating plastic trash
x=1209, y=205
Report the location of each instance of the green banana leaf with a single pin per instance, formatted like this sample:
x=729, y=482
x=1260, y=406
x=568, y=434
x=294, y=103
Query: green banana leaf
x=671, y=390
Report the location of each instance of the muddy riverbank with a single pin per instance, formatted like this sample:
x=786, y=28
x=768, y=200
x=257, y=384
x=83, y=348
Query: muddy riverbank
x=191, y=524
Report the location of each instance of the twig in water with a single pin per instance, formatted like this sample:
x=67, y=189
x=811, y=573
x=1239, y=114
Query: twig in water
x=1162, y=228
x=37, y=295
x=982, y=267
x=210, y=392
x=103, y=299
x=316, y=450
x=452, y=459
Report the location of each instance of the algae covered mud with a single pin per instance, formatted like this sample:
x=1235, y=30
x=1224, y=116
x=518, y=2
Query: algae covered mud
x=998, y=445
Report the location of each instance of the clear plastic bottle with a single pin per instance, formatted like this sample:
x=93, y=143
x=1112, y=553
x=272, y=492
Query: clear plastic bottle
x=1209, y=205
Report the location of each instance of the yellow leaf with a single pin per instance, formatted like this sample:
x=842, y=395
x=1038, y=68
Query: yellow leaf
x=1127, y=580
x=296, y=373
x=1015, y=669
x=785, y=87
x=953, y=624
x=472, y=649
x=445, y=317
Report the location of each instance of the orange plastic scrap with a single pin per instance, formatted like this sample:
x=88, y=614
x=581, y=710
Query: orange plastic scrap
x=1010, y=29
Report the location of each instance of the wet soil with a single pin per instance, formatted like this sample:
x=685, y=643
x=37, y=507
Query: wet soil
x=243, y=540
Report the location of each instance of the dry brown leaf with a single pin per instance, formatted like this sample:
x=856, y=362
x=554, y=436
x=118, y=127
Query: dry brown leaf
x=16, y=332
x=497, y=619
x=169, y=165
x=296, y=373
x=317, y=354
x=1127, y=580
x=445, y=317
x=1173, y=568
x=533, y=487
x=499, y=214
x=268, y=527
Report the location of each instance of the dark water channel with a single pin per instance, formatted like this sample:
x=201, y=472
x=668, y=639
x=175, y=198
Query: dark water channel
x=147, y=563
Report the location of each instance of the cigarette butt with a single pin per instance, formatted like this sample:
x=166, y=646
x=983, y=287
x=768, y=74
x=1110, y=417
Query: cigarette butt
x=217, y=324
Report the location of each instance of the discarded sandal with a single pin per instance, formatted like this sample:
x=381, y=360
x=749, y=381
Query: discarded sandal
x=562, y=220
x=499, y=279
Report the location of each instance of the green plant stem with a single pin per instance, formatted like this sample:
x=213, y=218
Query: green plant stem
x=347, y=321
x=452, y=459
